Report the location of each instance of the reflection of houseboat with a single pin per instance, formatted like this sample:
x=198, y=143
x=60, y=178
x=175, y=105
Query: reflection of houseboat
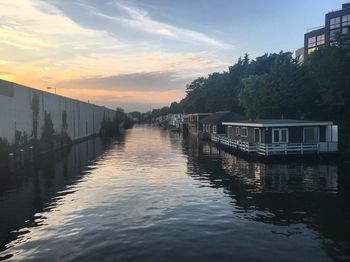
x=279, y=137
x=270, y=176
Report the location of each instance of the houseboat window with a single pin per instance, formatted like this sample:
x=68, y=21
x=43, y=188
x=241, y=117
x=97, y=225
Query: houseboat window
x=280, y=136
x=244, y=132
x=238, y=131
x=311, y=134
x=257, y=135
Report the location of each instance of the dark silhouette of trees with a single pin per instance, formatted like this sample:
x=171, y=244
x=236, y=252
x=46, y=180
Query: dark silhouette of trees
x=276, y=86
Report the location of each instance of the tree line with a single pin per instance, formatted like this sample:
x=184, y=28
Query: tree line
x=276, y=86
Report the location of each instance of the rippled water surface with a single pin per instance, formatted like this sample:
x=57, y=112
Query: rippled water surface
x=155, y=196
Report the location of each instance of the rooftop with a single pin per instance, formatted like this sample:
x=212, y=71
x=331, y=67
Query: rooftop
x=278, y=122
x=219, y=117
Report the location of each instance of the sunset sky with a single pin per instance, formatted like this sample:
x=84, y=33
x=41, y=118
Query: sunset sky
x=141, y=53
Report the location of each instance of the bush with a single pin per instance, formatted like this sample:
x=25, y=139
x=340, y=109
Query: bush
x=5, y=149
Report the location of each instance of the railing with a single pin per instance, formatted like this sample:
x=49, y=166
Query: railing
x=292, y=148
x=271, y=149
x=223, y=139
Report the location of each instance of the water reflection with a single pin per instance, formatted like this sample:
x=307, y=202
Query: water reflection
x=155, y=196
x=287, y=194
x=37, y=188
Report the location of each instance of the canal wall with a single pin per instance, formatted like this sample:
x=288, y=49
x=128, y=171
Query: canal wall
x=23, y=109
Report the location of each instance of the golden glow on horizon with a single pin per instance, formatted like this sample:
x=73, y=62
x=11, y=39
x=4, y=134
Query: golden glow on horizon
x=40, y=46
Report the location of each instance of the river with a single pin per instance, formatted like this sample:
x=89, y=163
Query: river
x=152, y=195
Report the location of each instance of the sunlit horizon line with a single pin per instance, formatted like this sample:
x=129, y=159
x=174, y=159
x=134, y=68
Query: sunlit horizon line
x=93, y=100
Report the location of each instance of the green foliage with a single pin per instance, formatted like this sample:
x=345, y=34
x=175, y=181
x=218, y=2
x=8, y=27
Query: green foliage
x=175, y=108
x=128, y=122
x=64, y=122
x=160, y=112
x=121, y=120
x=136, y=115
x=18, y=136
x=330, y=69
x=35, y=111
x=5, y=149
x=49, y=138
x=48, y=135
x=277, y=86
x=48, y=130
x=284, y=91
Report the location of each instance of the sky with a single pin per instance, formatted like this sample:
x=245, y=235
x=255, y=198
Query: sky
x=140, y=54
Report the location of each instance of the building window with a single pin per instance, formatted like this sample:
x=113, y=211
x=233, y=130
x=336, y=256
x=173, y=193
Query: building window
x=345, y=30
x=311, y=134
x=311, y=42
x=280, y=135
x=320, y=40
x=214, y=129
x=335, y=22
x=334, y=34
x=345, y=20
x=310, y=50
x=238, y=131
x=244, y=132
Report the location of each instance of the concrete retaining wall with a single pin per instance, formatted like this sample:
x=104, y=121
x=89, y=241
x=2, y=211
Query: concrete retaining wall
x=16, y=113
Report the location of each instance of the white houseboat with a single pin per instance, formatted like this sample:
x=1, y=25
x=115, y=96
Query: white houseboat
x=279, y=136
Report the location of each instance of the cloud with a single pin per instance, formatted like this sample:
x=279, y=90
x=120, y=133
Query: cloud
x=142, y=82
x=39, y=26
x=42, y=45
x=190, y=65
x=131, y=91
x=140, y=19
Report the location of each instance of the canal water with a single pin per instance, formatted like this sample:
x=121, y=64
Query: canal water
x=152, y=195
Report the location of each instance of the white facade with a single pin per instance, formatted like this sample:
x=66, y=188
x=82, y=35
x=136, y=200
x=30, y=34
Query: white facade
x=16, y=113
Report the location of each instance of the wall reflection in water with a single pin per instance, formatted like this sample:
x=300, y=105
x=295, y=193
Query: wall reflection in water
x=37, y=187
x=297, y=192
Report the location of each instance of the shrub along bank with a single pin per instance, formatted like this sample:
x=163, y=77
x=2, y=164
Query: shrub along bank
x=51, y=140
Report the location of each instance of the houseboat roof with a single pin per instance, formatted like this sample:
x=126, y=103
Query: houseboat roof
x=277, y=123
x=219, y=117
x=199, y=114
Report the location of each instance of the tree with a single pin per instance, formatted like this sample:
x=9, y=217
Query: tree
x=330, y=70
x=285, y=91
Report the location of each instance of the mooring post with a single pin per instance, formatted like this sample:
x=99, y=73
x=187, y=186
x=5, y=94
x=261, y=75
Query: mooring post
x=12, y=162
x=21, y=157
